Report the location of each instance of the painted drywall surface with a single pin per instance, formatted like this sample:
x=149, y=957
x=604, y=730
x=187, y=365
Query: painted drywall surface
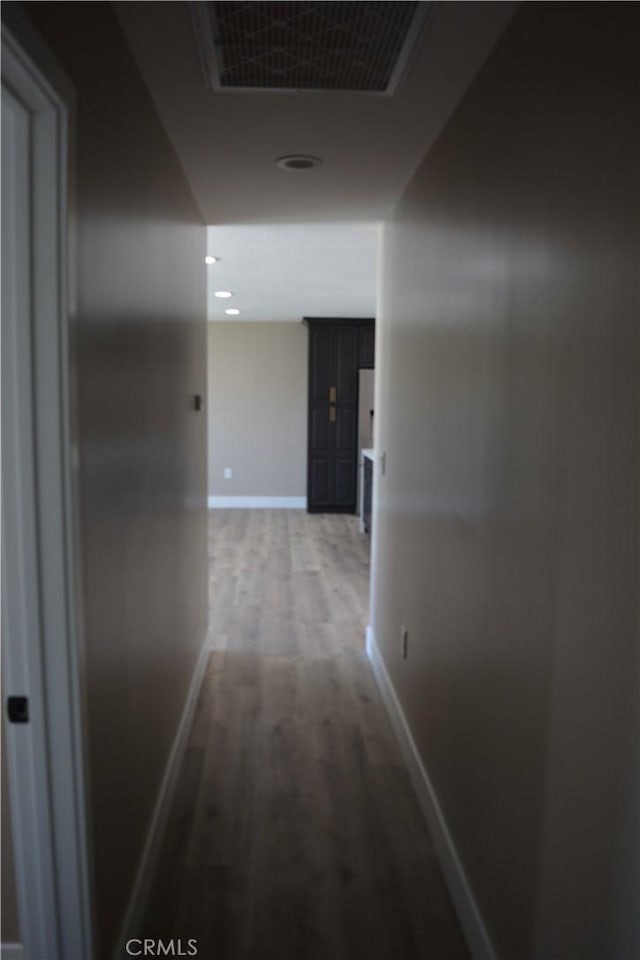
x=369, y=144
x=507, y=525
x=10, y=930
x=258, y=409
x=140, y=353
x=284, y=271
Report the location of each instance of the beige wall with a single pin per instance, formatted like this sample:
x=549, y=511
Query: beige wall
x=140, y=345
x=507, y=525
x=258, y=409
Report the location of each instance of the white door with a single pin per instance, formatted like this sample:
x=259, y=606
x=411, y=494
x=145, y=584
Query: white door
x=41, y=690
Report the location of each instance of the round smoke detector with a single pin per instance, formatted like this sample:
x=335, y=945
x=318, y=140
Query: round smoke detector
x=298, y=162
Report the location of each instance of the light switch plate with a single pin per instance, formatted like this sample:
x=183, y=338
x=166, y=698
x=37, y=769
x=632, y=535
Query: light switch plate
x=228, y=473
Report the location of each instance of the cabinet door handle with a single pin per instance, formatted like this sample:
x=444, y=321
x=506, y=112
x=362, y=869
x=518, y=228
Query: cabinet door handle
x=332, y=394
x=332, y=414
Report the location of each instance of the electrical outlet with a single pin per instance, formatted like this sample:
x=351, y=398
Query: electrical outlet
x=383, y=462
x=405, y=642
x=228, y=473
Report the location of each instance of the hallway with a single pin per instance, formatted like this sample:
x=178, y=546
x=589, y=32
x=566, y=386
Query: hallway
x=177, y=234
x=294, y=831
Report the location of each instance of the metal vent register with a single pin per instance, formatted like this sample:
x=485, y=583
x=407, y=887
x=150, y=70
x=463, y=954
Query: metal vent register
x=360, y=46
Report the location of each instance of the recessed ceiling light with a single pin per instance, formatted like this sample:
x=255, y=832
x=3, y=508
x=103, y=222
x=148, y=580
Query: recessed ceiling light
x=298, y=162
x=232, y=312
x=211, y=259
x=223, y=294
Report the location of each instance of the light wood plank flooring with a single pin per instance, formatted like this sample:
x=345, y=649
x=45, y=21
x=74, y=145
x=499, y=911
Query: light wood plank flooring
x=295, y=833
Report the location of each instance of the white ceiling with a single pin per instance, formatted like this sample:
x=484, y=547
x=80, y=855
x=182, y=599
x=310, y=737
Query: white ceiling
x=288, y=271
x=297, y=244
x=227, y=142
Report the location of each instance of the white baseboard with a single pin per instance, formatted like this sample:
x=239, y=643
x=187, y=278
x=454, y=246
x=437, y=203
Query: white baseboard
x=155, y=833
x=461, y=893
x=11, y=951
x=258, y=503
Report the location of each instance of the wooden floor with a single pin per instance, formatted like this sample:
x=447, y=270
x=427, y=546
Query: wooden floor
x=295, y=833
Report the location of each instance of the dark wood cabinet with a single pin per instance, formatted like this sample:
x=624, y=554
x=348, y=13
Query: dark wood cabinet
x=336, y=348
x=366, y=346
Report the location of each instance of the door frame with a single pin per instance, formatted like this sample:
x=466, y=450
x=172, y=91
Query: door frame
x=41, y=590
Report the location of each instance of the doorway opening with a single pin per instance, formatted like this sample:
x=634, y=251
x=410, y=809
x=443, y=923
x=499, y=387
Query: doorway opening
x=291, y=366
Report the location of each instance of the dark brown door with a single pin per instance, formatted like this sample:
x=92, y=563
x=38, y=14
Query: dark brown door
x=333, y=417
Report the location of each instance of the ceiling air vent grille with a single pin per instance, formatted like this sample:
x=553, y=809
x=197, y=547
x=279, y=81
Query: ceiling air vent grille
x=349, y=46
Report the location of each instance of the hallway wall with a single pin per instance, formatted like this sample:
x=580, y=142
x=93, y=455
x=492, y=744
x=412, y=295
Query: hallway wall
x=140, y=354
x=506, y=537
x=9, y=920
x=258, y=409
